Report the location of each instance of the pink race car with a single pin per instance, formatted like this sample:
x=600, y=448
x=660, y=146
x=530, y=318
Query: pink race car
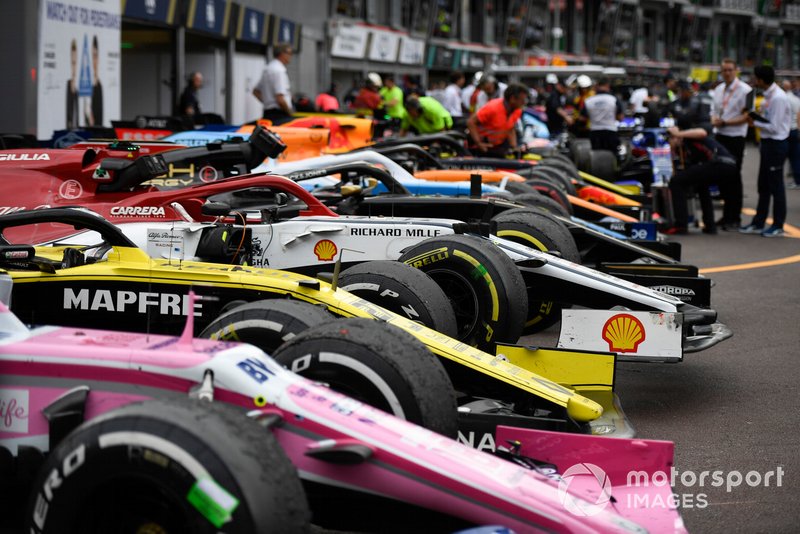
x=144, y=433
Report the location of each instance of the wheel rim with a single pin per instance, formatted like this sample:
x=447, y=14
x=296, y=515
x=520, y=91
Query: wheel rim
x=143, y=507
x=463, y=299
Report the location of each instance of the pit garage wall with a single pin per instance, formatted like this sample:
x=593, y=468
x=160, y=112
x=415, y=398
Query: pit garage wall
x=18, y=33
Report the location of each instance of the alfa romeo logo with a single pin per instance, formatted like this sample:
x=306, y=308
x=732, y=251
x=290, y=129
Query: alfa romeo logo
x=576, y=505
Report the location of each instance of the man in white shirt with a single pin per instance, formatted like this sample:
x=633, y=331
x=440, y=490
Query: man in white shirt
x=774, y=147
x=274, y=90
x=729, y=119
x=452, y=95
x=603, y=110
x=490, y=89
x=794, y=135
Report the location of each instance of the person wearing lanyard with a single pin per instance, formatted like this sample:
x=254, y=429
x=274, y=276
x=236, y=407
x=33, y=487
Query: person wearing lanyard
x=774, y=147
x=729, y=119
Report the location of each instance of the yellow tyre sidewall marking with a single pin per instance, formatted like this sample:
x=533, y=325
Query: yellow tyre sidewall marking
x=524, y=236
x=488, y=279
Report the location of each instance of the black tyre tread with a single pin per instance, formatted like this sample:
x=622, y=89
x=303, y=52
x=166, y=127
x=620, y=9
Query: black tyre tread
x=557, y=176
x=259, y=473
x=603, y=164
x=542, y=202
x=552, y=191
x=519, y=188
x=419, y=369
x=509, y=283
x=565, y=166
x=554, y=236
x=419, y=290
x=548, y=231
x=291, y=316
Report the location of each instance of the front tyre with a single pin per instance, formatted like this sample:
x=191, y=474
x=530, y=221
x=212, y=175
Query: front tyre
x=484, y=286
x=378, y=364
x=176, y=466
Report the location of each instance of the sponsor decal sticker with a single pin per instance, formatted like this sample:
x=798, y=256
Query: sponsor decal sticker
x=325, y=250
x=70, y=190
x=623, y=333
x=137, y=211
x=208, y=174
x=24, y=157
x=14, y=410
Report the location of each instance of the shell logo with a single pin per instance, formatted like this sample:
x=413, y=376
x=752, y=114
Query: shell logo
x=325, y=250
x=623, y=333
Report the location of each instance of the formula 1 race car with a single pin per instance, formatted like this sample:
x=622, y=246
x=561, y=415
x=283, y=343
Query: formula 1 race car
x=121, y=432
x=112, y=284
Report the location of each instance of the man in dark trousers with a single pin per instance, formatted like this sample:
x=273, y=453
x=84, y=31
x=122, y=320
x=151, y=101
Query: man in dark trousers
x=555, y=106
x=774, y=147
x=188, y=105
x=705, y=162
x=603, y=110
x=729, y=119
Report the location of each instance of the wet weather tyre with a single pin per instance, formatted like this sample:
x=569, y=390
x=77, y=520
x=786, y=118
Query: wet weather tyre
x=168, y=466
x=540, y=201
x=542, y=232
x=266, y=323
x=603, y=164
x=378, y=364
x=402, y=289
x=484, y=286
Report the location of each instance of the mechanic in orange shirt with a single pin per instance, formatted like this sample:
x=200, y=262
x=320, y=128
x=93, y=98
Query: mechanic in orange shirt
x=492, y=129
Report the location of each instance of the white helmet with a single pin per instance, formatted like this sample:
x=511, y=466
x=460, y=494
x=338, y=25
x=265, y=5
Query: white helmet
x=584, y=82
x=551, y=78
x=375, y=79
x=477, y=78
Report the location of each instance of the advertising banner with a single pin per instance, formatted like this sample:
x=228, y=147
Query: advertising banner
x=79, y=65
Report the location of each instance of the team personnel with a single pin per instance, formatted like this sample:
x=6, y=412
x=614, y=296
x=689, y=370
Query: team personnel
x=729, y=118
x=603, y=110
x=492, y=129
x=774, y=147
x=555, y=106
x=452, y=95
x=794, y=135
x=706, y=163
x=273, y=89
x=391, y=98
x=425, y=115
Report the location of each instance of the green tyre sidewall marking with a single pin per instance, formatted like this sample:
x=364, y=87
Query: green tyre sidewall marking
x=474, y=268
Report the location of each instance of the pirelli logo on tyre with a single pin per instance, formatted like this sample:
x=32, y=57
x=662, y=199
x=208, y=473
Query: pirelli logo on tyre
x=428, y=258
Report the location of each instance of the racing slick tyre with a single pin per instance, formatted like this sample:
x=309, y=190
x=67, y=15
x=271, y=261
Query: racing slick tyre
x=542, y=232
x=378, y=364
x=402, y=289
x=519, y=188
x=555, y=175
x=565, y=166
x=537, y=230
x=554, y=193
x=603, y=164
x=555, y=157
x=542, y=202
x=181, y=465
x=266, y=323
x=483, y=285
x=580, y=149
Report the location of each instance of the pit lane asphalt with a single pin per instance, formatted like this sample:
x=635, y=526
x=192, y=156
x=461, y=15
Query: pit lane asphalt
x=734, y=407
